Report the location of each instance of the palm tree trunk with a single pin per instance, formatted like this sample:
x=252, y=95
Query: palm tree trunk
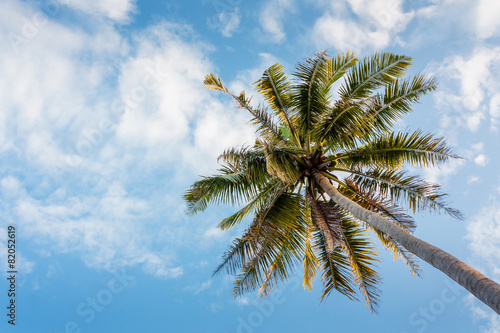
x=485, y=289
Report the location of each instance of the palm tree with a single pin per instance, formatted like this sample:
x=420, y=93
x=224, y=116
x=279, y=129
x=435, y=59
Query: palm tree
x=323, y=172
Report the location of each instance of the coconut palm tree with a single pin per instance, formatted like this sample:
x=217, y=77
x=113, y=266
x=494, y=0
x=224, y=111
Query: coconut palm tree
x=324, y=171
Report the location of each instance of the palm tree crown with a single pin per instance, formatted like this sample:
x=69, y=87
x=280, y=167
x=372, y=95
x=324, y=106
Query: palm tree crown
x=313, y=144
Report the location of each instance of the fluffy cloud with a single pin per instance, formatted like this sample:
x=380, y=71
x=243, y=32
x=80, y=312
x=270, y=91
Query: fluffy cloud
x=103, y=230
x=487, y=14
x=475, y=77
x=440, y=175
x=361, y=24
x=227, y=22
x=271, y=19
x=483, y=233
x=475, y=154
x=100, y=135
x=481, y=160
x=163, y=93
x=45, y=80
x=117, y=10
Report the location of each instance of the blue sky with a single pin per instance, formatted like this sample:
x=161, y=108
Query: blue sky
x=104, y=123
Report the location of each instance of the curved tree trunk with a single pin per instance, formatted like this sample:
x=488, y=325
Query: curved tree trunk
x=485, y=289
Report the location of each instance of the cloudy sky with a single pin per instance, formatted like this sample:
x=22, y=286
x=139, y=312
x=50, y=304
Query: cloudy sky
x=104, y=123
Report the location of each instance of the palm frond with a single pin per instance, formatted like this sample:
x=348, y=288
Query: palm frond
x=251, y=160
x=279, y=232
x=310, y=261
x=279, y=212
x=362, y=256
x=377, y=203
x=236, y=256
x=261, y=118
x=338, y=66
x=412, y=191
x=342, y=124
x=276, y=90
x=326, y=220
x=282, y=161
x=264, y=196
x=213, y=81
x=372, y=73
x=285, y=260
x=228, y=187
x=398, y=98
x=391, y=150
x=336, y=274
x=309, y=96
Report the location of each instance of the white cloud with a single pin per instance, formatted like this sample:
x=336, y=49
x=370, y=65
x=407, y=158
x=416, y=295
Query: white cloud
x=494, y=109
x=472, y=180
x=481, y=160
x=118, y=10
x=216, y=307
x=242, y=301
x=214, y=234
x=271, y=19
x=185, y=123
x=476, y=79
x=198, y=288
x=488, y=24
x=361, y=24
x=439, y=175
x=227, y=22
x=44, y=79
x=483, y=233
x=481, y=313
x=102, y=229
x=88, y=142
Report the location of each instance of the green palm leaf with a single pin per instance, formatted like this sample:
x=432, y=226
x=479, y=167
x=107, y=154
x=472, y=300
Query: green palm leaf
x=362, y=256
x=342, y=125
x=230, y=187
x=309, y=94
x=377, y=203
x=310, y=261
x=398, y=98
x=276, y=90
x=372, y=73
x=336, y=274
x=410, y=190
x=392, y=150
x=279, y=235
